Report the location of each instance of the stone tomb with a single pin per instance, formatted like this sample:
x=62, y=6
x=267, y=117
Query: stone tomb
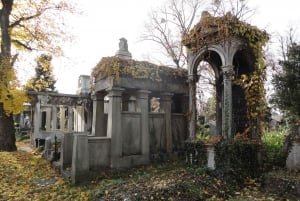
x=126, y=130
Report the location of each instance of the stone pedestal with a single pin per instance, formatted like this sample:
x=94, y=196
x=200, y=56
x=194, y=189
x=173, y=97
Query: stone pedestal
x=114, y=123
x=293, y=159
x=80, y=158
x=211, y=156
x=66, y=150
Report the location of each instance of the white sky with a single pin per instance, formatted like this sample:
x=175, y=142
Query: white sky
x=98, y=31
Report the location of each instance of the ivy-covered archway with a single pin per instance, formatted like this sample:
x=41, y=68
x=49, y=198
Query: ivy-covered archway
x=234, y=50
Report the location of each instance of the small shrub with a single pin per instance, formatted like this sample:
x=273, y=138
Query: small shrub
x=273, y=143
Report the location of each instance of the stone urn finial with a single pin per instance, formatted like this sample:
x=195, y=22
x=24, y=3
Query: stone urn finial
x=123, y=49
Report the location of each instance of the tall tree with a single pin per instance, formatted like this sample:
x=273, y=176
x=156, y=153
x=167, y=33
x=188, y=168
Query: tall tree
x=43, y=80
x=25, y=25
x=7, y=138
x=287, y=82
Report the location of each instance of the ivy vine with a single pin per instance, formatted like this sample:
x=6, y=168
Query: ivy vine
x=116, y=67
x=213, y=30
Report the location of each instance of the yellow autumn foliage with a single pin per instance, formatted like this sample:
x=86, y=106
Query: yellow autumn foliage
x=12, y=96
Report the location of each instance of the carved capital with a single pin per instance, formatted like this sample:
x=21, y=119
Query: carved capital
x=227, y=72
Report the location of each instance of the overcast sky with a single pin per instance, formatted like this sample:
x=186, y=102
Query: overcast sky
x=98, y=31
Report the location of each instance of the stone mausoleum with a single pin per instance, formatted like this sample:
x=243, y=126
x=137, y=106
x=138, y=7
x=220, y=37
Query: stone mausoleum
x=129, y=112
x=133, y=113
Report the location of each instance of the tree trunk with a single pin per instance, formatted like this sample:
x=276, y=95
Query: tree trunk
x=7, y=131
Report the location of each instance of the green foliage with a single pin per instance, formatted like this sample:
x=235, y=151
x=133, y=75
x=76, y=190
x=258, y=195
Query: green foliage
x=238, y=158
x=273, y=143
x=203, y=133
x=287, y=83
x=44, y=80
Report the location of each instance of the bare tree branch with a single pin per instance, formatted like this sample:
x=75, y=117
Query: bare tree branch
x=169, y=23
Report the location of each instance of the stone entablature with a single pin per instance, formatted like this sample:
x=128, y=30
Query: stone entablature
x=55, y=113
x=59, y=99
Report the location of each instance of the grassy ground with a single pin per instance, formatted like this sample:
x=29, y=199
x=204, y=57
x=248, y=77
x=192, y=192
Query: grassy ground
x=26, y=176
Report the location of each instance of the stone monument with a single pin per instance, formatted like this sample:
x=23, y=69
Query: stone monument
x=123, y=49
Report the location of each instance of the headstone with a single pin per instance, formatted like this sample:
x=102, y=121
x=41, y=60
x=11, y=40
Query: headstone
x=293, y=159
x=211, y=157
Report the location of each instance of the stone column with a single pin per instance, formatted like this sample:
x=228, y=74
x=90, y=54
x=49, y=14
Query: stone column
x=62, y=118
x=132, y=104
x=192, y=107
x=37, y=121
x=142, y=106
x=54, y=118
x=165, y=106
x=75, y=119
x=70, y=119
x=81, y=123
x=79, y=119
x=114, y=124
x=227, y=107
x=98, y=115
x=21, y=122
x=48, y=119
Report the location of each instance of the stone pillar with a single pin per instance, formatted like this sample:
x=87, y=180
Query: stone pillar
x=142, y=106
x=192, y=107
x=114, y=124
x=66, y=150
x=54, y=118
x=132, y=104
x=98, y=115
x=37, y=121
x=210, y=149
x=21, y=122
x=165, y=106
x=80, y=158
x=79, y=116
x=227, y=107
x=75, y=119
x=48, y=119
x=62, y=118
x=70, y=119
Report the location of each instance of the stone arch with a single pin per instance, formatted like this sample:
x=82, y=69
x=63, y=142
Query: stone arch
x=202, y=55
x=214, y=55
